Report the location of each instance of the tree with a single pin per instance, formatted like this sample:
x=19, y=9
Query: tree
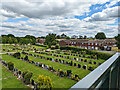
x=63, y=36
x=10, y=35
x=85, y=37
x=80, y=37
x=27, y=77
x=10, y=66
x=118, y=40
x=50, y=39
x=100, y=35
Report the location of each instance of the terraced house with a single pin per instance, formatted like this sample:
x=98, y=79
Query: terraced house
x=89, y=44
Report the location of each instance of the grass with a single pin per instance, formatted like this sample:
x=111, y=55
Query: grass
x=81, y=72
x=57, y=81
x=77, y=62
x=10, y=81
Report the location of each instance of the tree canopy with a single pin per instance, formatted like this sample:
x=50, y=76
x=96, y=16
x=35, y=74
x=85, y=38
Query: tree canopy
x=100, y=35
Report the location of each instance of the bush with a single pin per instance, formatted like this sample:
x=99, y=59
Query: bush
x=10, y=66
x=57, y=46
x=44, y=82
x=17, y=55
x=27, y=77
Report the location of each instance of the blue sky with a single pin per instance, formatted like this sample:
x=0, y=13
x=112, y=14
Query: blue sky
x=60, y=20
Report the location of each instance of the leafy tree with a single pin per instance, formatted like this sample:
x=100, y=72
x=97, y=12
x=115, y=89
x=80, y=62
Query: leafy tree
x=27, y=77
x=100, y=35
x=80, y=37
x=10, y=35
x=58, y=37
x=50, y=39
x=85, y=37
x=63, y=36
x=118, y=40
x=67, y=38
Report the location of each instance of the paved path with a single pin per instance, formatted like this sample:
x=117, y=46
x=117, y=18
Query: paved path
x=107, y=51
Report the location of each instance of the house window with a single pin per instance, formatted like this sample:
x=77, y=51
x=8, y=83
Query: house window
x=88, y=43
x=92, y=43
x=74, y=42
x=95, y=43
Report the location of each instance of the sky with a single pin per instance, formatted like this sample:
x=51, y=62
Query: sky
x=71, y=17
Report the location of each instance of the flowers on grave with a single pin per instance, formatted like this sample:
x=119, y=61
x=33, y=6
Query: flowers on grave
x=30, y=61
x=10, y=65
x=65, y=73
x=44, y=82
x=41, y=55
x=72, y=76
x=76, y=79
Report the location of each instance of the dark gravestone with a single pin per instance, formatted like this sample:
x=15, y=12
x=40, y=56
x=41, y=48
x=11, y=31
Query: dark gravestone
x=76, y=76
x=81, y=59
x=32, y=82
x=84, y=66
x=19, y=72
x=71, y=63
x=74, y=64
x=99, y=63
x=63, y=61
x=79, y=55
x=90, y=68
x=69, y=72
x=90, y=62
x=79, y=65
x=94, y=62
x=85, y=60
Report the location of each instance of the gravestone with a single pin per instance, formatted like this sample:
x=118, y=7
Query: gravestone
x=53, y=59
x=84, y=66
x=85, y=60
x=90, y=68
x=81, y=59
x=77, y=59
x=79, y=65
x=74, y=64
x=94, y=62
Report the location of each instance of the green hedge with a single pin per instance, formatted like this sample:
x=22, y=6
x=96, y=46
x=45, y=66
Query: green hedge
x=100, y=55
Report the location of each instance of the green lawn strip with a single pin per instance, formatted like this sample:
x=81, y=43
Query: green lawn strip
x=97, y=61
x=10, y=81
x=81, y=72
x=77, y=62
x=57, y=81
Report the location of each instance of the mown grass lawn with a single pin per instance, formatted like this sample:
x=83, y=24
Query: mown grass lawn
x=81, y=72
x=10, y=81
x=57, y=81
x=77, y=62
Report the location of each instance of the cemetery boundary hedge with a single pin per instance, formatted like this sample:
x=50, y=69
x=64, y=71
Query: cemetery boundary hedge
x=101, y=55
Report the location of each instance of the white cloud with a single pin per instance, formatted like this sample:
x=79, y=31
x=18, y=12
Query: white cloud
x=105, y=15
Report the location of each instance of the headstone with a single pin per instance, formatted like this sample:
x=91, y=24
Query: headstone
x=81, y=59
x=74, y=64
x=53, y=59
x=94, y=62
x=85, y=60
x=79, y=65
x=77, y=59
x=99, y=63
x=84, y=66
x=90, y=68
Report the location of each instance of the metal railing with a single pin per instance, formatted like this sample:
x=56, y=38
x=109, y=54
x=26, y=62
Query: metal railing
x=107, y=75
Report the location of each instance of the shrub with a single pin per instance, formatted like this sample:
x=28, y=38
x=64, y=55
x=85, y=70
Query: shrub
x=57, y=46
x=26, y=58
x=44, y=82
x=27, y=77
x=17, y=55
x=10, y=66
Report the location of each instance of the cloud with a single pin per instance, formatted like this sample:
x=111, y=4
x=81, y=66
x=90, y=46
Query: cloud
x=105, y=15
x=47, y=8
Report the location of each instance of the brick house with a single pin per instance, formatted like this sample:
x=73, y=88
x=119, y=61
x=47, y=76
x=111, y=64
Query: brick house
x=88, y=44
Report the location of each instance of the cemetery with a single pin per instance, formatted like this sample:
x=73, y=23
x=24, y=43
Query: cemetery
x=63, y=66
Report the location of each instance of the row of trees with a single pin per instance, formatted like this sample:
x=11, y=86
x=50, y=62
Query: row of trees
x=11, y=39
x=118, y=40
